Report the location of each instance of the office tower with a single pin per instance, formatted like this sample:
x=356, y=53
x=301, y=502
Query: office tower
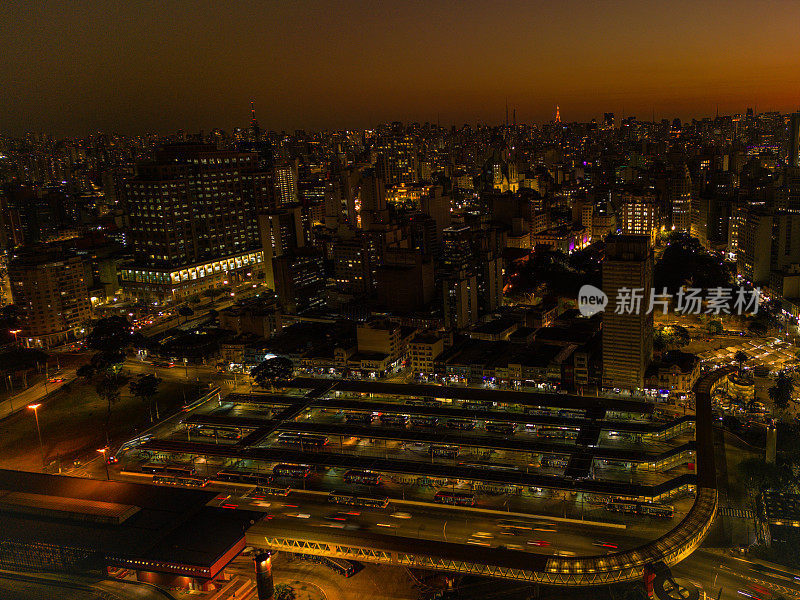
x=753, y=259
x=193, y=221
x=405, y=282
x=439, y=207
x=281, y=233
x=608, y=120
x=640, y=216
x=300, y=281
x=794, y=140
x=351, y=267
x=627, y=337
x=397, y=156
x=373, y=200
x=51, y=290
x=286, y=185
x=460, y=300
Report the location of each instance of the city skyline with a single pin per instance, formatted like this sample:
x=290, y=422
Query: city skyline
x=81, y=68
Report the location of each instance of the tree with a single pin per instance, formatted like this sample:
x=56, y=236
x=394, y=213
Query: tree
x=213, y=292
x=714, y=327
x=271, y=370
x=783, y=391
x=145, y=388
x=741, y=357
x=758, y=475
x=680, y=336
x=283, y=591
x=185, y=312
x=110, y=338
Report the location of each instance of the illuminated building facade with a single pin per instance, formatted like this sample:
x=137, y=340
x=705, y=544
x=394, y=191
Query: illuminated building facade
x=627, y=336
x=52, y=293
x=193, y=220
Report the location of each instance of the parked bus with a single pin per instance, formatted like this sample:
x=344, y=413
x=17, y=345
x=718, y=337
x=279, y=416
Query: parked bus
x=555, y=461
x=504, y=428
x=358, y=499
x=365, y=477
x=302, y=439
x=272, y=490
x=445, y=451
x=558, y=433
x=187, y=480
x=286, y=470
x=641, y=508
x=167, y=469
x=425, y=421
x=388, y=419
x=341, y=566
x=360, y=418
x=244, y=477
x=488, y=465
x=457, y=498
x=216, y=432
x=462, y=424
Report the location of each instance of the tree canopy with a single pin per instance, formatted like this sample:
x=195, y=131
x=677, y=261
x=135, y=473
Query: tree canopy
x=686, y=263
x=783, y=391
x=271, y=370
x=110, y=337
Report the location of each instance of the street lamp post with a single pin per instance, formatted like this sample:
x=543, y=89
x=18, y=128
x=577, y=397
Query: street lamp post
x=102, y=452
x=15, y=332
x=35, y=409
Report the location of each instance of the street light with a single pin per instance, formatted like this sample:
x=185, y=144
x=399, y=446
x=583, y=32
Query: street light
x=15, y=332
x=35, y=409
x=105, y=462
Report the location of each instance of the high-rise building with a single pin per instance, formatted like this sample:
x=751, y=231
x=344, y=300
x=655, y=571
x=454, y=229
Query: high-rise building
x=300, y=281
x=627, y=336
x=753, y=258
x=794, y=140
x=286, y=185
x=460, y=300
x=193, y=221
x=640, y=216
x=281, y=233
x=51, y=290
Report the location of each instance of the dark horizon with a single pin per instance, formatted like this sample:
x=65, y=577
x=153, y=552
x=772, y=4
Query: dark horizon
x=134, y=68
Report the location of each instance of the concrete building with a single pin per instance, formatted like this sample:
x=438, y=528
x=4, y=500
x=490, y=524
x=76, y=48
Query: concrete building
x=460, y=300
x=753, y=258
x=193, y=221
x=640, y=216
x=51, y=291
x=423, y=351
x=300, y=281
x=627, y=336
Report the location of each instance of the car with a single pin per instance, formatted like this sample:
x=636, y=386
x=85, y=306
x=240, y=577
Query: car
x=335, y=517
x=401, y=515
x=299, y=515
x=482, y=534
x=565, y=553
x=539, y=543
x=603, y=544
